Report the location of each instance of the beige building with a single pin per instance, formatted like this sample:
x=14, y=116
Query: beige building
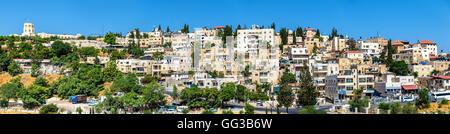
x=440, y=66
x=380, y=40
x=28, y=29
x=422, y=70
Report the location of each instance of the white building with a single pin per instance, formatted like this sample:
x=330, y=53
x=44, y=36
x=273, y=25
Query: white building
x=28, y=29
x=248, y=39
x=369, y=48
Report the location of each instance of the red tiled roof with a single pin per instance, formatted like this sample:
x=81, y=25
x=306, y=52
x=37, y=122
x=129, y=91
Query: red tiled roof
x=433, y=57
x=427, y=42
x=294, y=84
x=310, y=29
x=345, y=52
x=441, y=77
x=409, y=87
x=218, y=27
x=397, y=42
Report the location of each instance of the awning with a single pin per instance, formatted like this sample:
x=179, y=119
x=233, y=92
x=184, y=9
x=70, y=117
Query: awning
x=275, y=89
x=345, y=92
x=369, y=91
x=409, y=87
x=399, y=87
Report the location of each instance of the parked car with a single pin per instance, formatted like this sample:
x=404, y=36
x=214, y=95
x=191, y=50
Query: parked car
x=259, y=103
x=213, y=109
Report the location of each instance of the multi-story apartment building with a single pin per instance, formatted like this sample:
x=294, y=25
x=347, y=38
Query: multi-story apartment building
x=430, y=46
x=423, y=70
x=369, y=48
x=298, y=56
x=380, y=40
x=412, y=55
x=343, y=84
x=392, y=84
x=338, y=44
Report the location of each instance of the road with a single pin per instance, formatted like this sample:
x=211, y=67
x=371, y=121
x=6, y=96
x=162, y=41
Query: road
x=292, y=110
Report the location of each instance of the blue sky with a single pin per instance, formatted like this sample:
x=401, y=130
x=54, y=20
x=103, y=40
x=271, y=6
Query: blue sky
x=408, y=20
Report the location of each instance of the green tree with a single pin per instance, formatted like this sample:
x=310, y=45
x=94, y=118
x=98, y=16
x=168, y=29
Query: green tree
x=82, y=37
x=307, y=92
x=227, y=31
x=88, y=52
x=153, y=95
x=287, y=78
x=241, y=93
x=175, y=92
x=334, y=33
x=127, y=83
x=284, y=36
x=352, y=44
x=227, y=92
x=110, y=72
x=424, y=99
x=249, y=109
x=285, y=96
x=399, y=68
x=14, y=69
x=10, y=91
x=131, y=100
x=34, y=96
x=5, y=61
x=35, y=70
x=415, y=74
x=60, y=48
x=434, y=72
x=358, y=101
x=135, y=50
x=41, y=81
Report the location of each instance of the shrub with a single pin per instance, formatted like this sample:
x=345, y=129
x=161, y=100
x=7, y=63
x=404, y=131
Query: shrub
x=249, y=109
x=227, y=112
x=384, y=107
x=79, y=110
x=310, y=110
x=444, y=101
x=207, y=111
x=185, y=111
x=148, y=112
x=4, y=103
x=48, y=109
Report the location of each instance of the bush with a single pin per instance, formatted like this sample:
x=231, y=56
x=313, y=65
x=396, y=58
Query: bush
x=148, y=112
x=48, y=109
x=207, y=111
x=79, y=110
x=409, y=109
x=384, y=107
x=396, y=108
x=444, y=101
x=4, y=103
x=227, y=112
x=310, y=110
x=249, y=109
x=185, y=111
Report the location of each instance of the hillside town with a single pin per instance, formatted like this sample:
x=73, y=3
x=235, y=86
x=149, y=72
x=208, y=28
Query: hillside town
x=221, y=70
